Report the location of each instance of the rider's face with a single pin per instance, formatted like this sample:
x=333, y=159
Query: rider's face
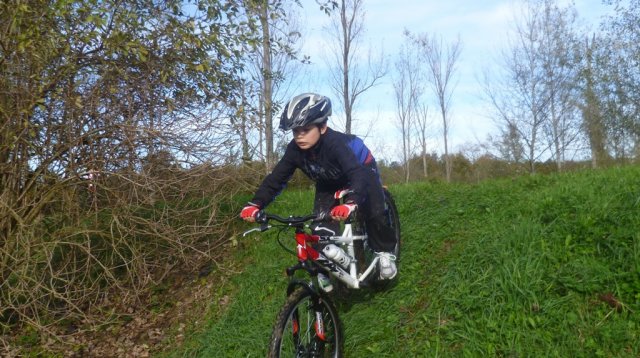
x=306, y=137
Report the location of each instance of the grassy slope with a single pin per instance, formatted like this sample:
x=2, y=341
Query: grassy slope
x=536, y=266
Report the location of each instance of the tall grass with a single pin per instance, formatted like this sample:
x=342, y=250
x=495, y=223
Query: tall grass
x=534, y=266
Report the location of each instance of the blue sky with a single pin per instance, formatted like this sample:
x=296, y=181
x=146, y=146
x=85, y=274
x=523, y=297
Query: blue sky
x=483, y=27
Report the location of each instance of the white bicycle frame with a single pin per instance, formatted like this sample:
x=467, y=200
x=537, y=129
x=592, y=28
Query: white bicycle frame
x=346, y=240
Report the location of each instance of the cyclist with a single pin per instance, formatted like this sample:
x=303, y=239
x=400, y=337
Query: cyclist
x=335, y=161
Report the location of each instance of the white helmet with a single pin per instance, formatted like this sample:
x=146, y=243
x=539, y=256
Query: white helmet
x=305, y=109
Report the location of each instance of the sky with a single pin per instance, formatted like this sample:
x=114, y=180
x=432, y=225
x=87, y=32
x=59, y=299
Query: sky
x=483, y=27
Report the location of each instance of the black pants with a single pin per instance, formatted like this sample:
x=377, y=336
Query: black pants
x=381, y=235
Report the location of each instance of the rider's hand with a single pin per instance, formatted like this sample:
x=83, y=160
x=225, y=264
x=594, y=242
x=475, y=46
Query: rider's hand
x=249, y=212
x=341, y=212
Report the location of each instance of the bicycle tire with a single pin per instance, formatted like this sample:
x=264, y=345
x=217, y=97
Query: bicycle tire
x=294, y=334
x=393, y=220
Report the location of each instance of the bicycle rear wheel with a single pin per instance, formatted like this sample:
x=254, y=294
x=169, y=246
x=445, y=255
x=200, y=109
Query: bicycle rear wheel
x=393, y=220
x=307, y=326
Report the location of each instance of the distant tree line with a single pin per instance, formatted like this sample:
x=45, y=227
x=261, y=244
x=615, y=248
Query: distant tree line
x=566, y=93
x=559, y=93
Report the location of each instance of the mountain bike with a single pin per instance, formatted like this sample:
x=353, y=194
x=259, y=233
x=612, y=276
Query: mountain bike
x=308, y=324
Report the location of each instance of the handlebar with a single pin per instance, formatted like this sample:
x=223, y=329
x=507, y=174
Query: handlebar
x=263, y=219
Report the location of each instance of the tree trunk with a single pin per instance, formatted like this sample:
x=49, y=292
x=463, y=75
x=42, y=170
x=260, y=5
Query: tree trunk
x=268, y=87
x=424, y=162
x=346, y=44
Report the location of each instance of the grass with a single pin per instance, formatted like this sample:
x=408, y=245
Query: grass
x=534, y=266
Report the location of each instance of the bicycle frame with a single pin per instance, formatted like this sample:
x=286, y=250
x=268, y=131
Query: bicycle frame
x=307, y=253
x=350, y=278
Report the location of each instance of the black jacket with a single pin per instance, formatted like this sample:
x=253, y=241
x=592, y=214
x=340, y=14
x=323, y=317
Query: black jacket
x=338, y=160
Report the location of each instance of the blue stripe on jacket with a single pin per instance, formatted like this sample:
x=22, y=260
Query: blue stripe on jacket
x=361, y=151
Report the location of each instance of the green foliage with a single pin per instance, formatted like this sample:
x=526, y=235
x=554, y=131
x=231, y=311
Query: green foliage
x=112, y=92
x=535, y=267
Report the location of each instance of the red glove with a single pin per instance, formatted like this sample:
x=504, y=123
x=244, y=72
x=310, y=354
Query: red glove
x=341, y=212
x=249, y=212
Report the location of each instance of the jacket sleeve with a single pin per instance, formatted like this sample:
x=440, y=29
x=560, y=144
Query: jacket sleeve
x=273, y=183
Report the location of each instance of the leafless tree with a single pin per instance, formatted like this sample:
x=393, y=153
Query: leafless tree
x=557, y=53
x=348, y=79
x=517, y=92
x=422, y=123
x=271, y=66
x=407, y=88
x=535, y=95
x=441, y=62
x=263, y=11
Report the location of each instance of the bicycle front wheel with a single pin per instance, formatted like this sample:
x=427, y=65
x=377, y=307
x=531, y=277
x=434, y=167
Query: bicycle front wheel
x=307, y=326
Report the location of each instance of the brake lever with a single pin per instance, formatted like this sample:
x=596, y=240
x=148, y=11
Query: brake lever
x=263, y=227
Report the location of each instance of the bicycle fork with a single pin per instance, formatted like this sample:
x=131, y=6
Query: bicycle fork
x=315, y=319
x=319, y=326
x=316, y=344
